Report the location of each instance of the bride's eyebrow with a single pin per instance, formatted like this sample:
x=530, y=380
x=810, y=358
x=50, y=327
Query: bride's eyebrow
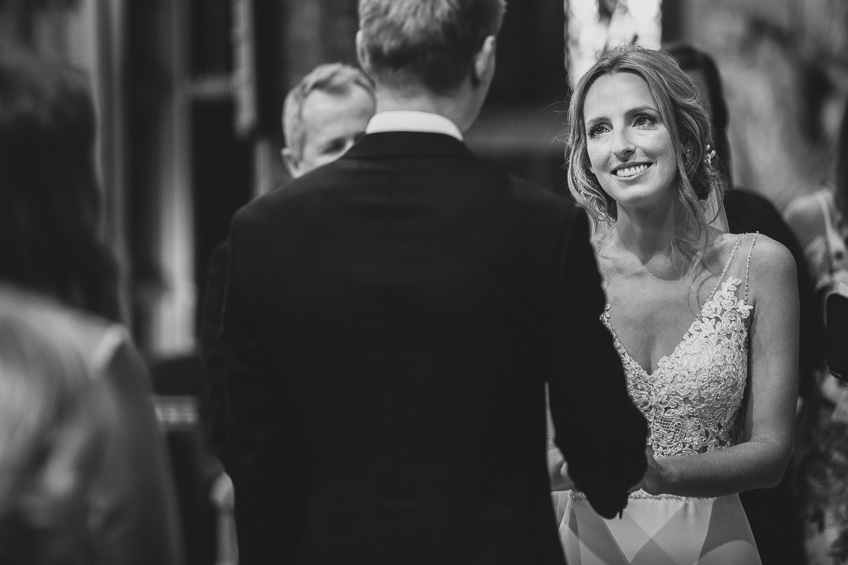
x=595, y=121
x=639, y=109
x=630, y=112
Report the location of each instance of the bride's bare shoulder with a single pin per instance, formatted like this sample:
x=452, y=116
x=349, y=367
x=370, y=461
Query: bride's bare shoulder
x=769, y=265
x=758, y=254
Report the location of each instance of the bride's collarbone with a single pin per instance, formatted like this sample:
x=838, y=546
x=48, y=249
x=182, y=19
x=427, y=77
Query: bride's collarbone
x=654, y=300
x=671, y=265
x=645, y=287
x=664, y=279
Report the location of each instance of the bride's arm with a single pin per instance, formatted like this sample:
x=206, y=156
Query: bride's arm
x=760, y=458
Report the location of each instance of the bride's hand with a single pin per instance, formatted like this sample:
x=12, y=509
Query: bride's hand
x=654, y=480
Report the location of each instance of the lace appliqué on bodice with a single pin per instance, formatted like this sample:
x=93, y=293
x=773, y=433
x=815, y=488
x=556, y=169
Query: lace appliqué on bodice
x=693, y=400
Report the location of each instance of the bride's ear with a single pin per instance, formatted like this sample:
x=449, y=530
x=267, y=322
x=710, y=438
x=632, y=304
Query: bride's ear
x=687, y=153
x=690, y=155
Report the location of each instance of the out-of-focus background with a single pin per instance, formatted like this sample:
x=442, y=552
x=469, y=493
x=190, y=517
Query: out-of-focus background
x=189, y=94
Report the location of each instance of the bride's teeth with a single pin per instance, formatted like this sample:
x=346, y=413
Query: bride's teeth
x=630, y=171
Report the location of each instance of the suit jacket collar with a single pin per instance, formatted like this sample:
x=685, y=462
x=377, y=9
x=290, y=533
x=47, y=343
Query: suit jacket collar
x=408, y=144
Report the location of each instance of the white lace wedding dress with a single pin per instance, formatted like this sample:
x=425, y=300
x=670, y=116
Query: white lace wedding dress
x=693, y=404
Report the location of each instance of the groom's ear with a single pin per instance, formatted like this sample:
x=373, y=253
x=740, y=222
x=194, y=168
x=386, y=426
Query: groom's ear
x=484, y=62
x=362, y=54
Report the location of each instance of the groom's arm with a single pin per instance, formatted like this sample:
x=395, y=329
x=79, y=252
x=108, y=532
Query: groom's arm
x=599, y=431
x=266, y=456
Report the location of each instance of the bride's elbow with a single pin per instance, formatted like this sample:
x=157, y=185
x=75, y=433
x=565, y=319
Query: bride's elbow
x=774, y=476
x=765, y=460
x=775, y=466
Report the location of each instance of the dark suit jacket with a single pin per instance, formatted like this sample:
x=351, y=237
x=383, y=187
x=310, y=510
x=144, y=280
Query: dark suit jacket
x=391, y=322
x=211, y=354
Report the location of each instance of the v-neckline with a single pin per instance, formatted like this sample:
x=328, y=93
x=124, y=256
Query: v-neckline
x=686, y=334
x=661, y=361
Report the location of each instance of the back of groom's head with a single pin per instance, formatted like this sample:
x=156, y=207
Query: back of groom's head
x=425, y=43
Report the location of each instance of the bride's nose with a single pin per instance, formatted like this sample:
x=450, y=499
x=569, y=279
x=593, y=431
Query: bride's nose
x=622, y=146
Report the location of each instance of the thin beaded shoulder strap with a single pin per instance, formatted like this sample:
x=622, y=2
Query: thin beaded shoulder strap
x=748, y=265
x=726, y=266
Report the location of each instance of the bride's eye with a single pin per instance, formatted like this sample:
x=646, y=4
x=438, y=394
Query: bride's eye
x=596, y=130
x=644, y=120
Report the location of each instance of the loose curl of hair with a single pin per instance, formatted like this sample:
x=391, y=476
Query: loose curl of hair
x=685, y=117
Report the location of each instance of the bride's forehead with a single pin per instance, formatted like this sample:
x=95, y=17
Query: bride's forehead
x=618, y=91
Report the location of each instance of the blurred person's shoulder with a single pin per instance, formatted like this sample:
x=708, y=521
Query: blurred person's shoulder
x=95, y=338
x=808, y=215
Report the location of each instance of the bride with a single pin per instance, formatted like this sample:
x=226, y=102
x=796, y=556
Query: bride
x=705, y=321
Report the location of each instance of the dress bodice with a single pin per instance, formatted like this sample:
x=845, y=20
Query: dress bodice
x=693, y=400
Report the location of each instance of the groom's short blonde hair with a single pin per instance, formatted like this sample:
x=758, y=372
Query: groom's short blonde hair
x=429, y=43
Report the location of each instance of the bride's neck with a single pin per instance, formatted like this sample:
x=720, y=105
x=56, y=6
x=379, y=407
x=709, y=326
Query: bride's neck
x=648, y=234
x=659, y=242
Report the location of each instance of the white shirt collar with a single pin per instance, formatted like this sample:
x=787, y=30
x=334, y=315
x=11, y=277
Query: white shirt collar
x=409, y=120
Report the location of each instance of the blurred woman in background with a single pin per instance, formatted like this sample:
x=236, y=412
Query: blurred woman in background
x=79, y=437
x=820, y=221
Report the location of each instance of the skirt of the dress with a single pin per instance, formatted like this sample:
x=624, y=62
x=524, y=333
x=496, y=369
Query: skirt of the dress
x=658, y=531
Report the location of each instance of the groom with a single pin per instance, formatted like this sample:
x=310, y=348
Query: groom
x=393, y=320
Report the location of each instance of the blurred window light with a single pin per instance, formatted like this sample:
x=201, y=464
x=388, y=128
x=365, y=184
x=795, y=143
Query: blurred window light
x=595, y=26
x=583, y=9
x=644, y=10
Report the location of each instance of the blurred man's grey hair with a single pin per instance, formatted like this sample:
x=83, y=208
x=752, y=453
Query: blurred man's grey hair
x=337, y=79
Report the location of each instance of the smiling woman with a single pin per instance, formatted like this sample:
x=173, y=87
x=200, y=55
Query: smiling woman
x=631, y=152
x=705, y=322
x=654, y=96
